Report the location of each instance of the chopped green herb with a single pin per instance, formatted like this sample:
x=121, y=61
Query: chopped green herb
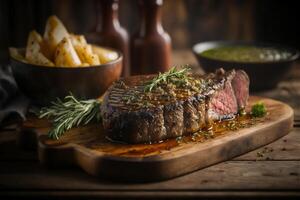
x=258, y=110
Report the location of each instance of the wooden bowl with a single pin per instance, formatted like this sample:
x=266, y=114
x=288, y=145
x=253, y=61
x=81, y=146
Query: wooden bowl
x=42, y=84
x=263, y=75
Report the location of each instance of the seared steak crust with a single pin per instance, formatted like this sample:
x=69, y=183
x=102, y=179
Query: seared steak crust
x=224, y=95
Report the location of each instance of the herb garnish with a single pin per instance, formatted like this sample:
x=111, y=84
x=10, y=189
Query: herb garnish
x=167, y=77
x=70, y=113
x=258, y=110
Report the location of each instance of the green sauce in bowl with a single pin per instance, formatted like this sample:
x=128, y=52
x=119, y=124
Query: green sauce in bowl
x=247, y=54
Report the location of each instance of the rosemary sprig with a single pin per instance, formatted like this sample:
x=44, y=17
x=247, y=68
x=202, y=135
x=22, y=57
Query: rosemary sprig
x=166, y=77
x=70, y=113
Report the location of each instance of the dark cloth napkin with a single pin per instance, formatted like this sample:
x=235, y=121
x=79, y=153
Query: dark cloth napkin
x=13, y=104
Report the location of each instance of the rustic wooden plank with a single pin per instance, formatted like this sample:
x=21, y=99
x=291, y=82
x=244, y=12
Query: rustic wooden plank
x=189, y=194
x=10, y=151
x=286, y=148
x=88, y=148
x=231, y=175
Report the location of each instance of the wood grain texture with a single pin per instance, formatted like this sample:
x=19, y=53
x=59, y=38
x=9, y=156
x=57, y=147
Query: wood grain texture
x=284, y=149
x=227, y=178
x=87, y=148
x=247, y=175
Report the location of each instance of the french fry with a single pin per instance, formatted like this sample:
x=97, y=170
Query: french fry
x=16, y=55
x=84, y=50
x=86, y=54
x=105, y=55
x=85, y=65
x=33, y=50
x=65, y=54
x=55, y=31
x=78, y=40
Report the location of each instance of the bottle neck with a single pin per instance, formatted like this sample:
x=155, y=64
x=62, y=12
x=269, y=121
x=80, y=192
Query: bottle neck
x=151, y=19
x=109, y=15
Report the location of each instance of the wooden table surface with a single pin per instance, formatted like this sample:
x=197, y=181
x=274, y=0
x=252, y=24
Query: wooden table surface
x=273, y=170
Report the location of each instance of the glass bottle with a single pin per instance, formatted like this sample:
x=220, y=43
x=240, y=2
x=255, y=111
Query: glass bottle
x=109, y=32
x=151, y=45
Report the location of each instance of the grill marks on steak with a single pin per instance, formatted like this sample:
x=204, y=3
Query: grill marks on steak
x=173, y=119
x=224, y=94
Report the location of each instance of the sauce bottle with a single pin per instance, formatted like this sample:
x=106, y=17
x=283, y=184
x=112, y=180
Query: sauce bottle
x=151, y=45
x=109, y=32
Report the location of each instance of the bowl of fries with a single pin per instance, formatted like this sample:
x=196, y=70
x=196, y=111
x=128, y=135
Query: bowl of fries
x=60, y=63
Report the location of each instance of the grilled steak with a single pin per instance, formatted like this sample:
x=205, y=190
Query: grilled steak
x=134, y=116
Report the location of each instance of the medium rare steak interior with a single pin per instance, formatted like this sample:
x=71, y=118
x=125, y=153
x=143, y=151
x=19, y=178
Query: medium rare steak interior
x=146, y=109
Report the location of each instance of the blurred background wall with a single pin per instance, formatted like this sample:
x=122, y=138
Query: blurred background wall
x=187, y=21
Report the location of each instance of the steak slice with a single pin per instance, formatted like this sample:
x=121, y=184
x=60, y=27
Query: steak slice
x=134, y=116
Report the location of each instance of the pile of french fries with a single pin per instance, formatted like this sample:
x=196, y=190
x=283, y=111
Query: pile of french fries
x=62, y=49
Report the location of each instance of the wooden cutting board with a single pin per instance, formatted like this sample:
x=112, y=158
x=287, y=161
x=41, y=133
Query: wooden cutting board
x=88, y=148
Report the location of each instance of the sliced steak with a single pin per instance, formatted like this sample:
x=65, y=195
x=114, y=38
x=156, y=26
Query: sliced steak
x=240, y=85
x=223, y=103
x=134, y=116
